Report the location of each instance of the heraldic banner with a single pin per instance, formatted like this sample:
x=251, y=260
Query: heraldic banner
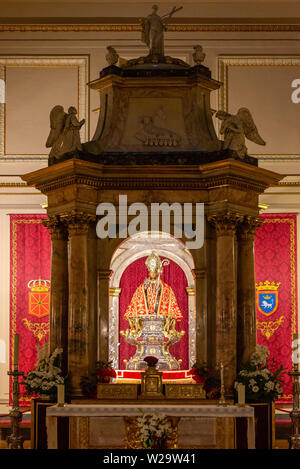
x=30, y=256
x=276, y=289
x=133, y=276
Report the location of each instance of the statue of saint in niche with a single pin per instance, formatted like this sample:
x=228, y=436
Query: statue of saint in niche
x=153, y=28
x=152, y=315
x=154, y=296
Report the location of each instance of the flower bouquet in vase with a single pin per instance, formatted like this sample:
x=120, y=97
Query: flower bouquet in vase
x=155, y=431
x=46, y=375
x=261, y=377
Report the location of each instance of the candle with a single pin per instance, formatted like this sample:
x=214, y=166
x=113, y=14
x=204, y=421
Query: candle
x=241, y=394
x=16, y=350
x=60, y=395
x=296, y=350
x=222, y=373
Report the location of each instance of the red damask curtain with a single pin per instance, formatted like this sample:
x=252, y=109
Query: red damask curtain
x=275, y=261
x=173, y=275
x=30, y=257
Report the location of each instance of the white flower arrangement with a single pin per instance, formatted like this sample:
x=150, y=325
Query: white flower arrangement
x=46, y=374
x=261, y=383
x=154, y=430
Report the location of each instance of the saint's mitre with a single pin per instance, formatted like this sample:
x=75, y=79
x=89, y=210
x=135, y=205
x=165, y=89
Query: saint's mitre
x=154, y=263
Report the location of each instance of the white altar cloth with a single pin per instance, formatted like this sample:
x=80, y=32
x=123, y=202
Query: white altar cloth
x=108, y=410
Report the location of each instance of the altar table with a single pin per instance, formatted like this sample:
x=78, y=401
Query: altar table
x=127, y=410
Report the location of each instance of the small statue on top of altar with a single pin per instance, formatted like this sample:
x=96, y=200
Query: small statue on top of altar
x=153, y=28
x=152, y=315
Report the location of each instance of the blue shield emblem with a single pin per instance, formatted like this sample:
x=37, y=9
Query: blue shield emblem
x=267, y=302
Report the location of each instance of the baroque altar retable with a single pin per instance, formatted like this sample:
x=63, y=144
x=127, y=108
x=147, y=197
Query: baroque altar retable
x=155, y=142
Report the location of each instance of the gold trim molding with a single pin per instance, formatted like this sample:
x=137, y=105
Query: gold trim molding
x=115, y=291
x=81, y=62
x=227, y=61
x=137, y=28
x=13, y=184
x=190, y=291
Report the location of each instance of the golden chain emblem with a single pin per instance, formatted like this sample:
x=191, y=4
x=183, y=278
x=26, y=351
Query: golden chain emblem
x=267, y=328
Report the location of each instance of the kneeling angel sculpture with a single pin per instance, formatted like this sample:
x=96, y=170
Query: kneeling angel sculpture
x=236, y=128
x=64, y=135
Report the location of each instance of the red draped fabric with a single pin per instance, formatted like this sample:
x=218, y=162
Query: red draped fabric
x=275, y=261
x=30, y=254
x=133, y=276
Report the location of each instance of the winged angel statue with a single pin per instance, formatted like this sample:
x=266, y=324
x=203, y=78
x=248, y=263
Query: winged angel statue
x=64, y=135
x=236, y=128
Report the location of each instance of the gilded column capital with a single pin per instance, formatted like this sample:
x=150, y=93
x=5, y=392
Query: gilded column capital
x=226, y=223
x=56, y=227
x=78, y=222
x=115, y=291
x=190, y=291
x=246, y=230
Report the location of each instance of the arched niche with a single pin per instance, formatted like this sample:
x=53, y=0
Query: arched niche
x=132, y=249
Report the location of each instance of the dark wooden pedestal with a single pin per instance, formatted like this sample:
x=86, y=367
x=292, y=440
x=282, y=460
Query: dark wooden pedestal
x=264, y=427
x=38, y=426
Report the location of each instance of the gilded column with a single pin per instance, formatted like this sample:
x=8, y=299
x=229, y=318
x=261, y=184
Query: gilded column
x=79, y=363
x=59, y=287
x=226, y=294
x=103, y=311
x=246, y=319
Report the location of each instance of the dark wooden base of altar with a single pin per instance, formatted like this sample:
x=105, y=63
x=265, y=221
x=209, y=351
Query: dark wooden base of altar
x=38, y=426
x=264, y=414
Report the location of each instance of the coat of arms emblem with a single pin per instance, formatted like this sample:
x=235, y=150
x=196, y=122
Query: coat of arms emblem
x=267, y=297
x=39, y=297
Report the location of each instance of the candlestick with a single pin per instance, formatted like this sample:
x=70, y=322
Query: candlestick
x=222, y=400
x=294, y=439
x=60, y=395
x=15, y=440
x=16, y=349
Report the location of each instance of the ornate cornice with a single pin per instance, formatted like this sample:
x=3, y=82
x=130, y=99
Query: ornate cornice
x=226, y=223
x=148, y=183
